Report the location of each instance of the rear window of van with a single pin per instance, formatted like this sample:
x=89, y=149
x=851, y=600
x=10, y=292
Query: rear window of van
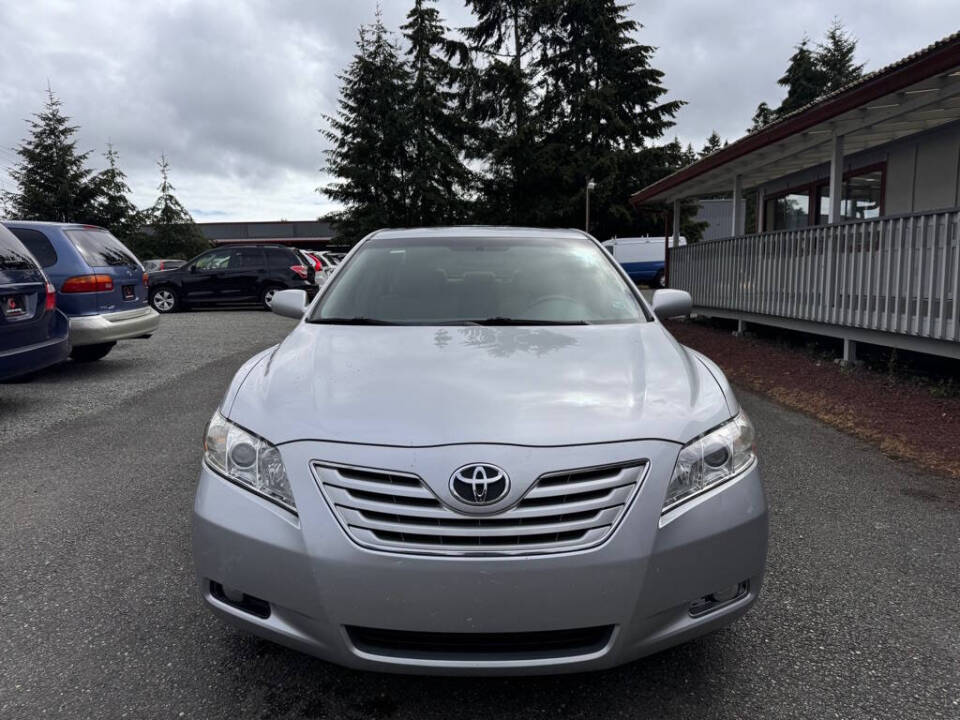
x=101, y=249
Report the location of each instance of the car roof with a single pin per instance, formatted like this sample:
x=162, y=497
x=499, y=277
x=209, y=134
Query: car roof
x=234, y=246
x=478, y=231
x=47, y=224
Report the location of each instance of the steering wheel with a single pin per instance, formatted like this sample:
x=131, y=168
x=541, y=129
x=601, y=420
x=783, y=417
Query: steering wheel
x=549, y=298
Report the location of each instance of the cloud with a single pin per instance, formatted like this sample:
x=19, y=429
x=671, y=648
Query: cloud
x=235, y=92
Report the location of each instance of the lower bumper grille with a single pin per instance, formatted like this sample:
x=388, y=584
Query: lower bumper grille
x=474, y=646
x=398, y=512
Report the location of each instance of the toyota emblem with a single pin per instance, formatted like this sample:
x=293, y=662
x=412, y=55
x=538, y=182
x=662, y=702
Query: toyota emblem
x=479, y=484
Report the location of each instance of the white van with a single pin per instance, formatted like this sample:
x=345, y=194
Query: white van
x=641, y=257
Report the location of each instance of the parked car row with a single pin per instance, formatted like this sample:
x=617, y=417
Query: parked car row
x=70, y=290
x=156, y=265
x=87, y=276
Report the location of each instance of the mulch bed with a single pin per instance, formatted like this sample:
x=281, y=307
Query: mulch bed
x=904, y=420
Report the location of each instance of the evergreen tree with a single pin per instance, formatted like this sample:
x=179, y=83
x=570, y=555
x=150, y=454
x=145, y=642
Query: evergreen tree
x=113, y=209
x=53, y=180
x=835, y=56
x=804, y=79
x=712, y=144
x=173, y=233
x=763, y=116
x=369, y=136
x=438, y=182
x=505, y=42
x=602, y=104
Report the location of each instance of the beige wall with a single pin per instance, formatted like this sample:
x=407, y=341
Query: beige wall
x=923, y=171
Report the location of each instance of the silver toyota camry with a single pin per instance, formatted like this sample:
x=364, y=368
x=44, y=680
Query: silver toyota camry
x=479, y=451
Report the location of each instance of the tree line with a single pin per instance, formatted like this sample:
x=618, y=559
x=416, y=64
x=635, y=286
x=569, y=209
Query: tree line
x=54, y=182
x=505, y=121
x=508, y=119
x=814, y=71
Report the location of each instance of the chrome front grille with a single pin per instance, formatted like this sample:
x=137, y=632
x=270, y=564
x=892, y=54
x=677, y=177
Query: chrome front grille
x=397, y=512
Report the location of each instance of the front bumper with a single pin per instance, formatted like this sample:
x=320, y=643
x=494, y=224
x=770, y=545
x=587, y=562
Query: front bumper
x=640, y=583
x=110, y=327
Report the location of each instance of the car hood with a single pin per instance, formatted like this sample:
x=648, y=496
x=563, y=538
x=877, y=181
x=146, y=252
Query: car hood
x=422, y=386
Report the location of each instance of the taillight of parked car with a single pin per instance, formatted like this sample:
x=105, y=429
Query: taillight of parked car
x=317, y=265
x=146, y=280
x=87, y=283
x=51, y=300
x=300, y=270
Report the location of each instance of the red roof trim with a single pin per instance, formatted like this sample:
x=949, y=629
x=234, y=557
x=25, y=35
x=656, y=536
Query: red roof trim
x=941, y=57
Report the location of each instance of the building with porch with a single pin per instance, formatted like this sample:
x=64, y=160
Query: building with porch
x=856, y=207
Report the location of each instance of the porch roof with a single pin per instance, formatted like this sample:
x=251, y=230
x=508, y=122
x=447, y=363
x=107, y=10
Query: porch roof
x=917, y=93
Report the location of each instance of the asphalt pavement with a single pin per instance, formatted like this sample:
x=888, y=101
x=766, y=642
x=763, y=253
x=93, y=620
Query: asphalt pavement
x=100, y=617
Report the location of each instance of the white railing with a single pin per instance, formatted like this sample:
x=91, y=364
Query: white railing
x=897, y=275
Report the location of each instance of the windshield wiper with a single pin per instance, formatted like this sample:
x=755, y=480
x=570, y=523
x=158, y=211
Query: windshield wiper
x=352, y=321
x=524, y=321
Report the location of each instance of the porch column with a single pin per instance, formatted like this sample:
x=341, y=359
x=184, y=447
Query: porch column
x=675, y=242
x=836, y=179
x=737, y=224
x=761, y=209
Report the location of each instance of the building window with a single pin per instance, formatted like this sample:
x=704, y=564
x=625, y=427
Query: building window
x=862, y=197
x=787, y=212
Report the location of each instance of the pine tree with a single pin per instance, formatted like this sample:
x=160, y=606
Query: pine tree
x=763, y=116
x=713, y=143
x=602, y=105
x=804, y=79
x=113, y=209
x=53, y=180
x=173, y=234
x=505, y=43
x=439, y=182
x=369, y=136
x=835, y=56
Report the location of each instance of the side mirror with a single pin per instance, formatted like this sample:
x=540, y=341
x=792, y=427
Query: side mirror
x=289, y=303
x=672, y=303
x=193, y=268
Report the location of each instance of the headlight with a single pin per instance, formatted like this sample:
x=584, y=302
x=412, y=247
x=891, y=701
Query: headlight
x=248, y=460
x=711, y=460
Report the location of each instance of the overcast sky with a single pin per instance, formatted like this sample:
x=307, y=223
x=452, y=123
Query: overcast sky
x=234, y=91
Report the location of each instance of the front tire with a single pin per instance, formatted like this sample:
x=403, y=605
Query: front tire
x=91, y=353
x=266, y=296
x=165, y=300
x=659, y=281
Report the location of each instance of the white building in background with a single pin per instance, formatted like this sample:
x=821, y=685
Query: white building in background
x=856, y=232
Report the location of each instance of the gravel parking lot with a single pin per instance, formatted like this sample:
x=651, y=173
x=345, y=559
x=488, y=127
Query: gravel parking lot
x=100, y=616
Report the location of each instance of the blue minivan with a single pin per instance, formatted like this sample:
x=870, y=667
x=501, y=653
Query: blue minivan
x=33, y=333
x=101, y=285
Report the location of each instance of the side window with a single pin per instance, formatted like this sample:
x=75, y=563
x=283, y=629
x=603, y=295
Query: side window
x=216, y=260
x=249, y=258
x=38, y=244
x=279, y=257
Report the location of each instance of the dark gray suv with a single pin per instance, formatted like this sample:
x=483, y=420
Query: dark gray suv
x=232, y=274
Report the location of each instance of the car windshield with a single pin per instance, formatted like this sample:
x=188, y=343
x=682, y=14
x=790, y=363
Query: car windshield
x=479, y=280
x=101, y=249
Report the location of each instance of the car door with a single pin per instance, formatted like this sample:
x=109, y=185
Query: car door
x=244, y=271
x=204, y=279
